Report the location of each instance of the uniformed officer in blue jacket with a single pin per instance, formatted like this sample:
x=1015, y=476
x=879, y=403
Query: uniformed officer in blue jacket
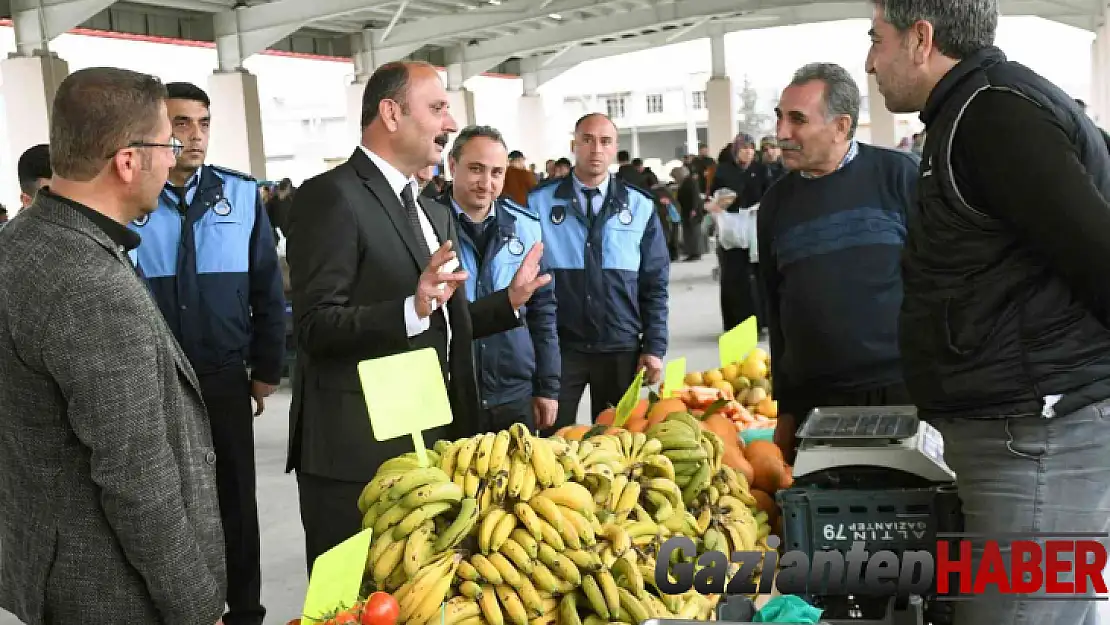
x=518, y=370
x=609, y=260
x=210, y=260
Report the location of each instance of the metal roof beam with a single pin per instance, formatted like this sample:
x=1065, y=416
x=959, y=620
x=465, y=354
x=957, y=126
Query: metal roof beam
x=414, y=34
x=34, y=31
x=248, y=30
x=481, y=57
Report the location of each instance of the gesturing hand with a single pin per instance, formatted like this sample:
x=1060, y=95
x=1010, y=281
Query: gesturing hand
x=436, y=286
x=653, y=366
x=527, y=279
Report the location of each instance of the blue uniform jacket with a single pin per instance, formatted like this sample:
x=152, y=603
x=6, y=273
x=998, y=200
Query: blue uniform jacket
x=212, y=266
x=522, y=362
x=611, y=279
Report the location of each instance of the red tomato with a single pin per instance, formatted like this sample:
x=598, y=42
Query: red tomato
x=380, y=609
x=346, y=617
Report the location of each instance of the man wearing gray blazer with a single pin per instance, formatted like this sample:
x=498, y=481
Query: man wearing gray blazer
x=108, y=506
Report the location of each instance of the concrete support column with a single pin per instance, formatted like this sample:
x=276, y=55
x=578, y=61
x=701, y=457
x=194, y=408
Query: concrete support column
x=461, y=106
x=721, y=102
x=719, y=98
x=635, y=147
x=884, y=127
x=354, y=112
x=532, y=128
x=30, y=83
x=691, y=122
x=236, y=123
x=1099, y=108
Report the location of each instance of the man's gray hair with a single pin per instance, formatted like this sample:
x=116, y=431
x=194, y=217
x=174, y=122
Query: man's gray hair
x=841, y=91
x=960, y=27
x=471, y=132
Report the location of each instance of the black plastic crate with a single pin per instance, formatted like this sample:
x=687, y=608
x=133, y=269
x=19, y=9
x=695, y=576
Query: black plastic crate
x=902, y=519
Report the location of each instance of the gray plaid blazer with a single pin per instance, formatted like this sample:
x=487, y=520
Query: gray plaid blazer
x=108, y=507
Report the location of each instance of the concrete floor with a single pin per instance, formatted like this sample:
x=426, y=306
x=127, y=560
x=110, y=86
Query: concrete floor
x=695, y=326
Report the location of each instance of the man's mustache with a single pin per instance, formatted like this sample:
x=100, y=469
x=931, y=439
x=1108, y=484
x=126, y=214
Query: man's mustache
x=442, y=140
x=789, y=145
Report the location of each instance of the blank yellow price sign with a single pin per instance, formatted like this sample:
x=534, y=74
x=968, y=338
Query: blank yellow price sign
x=673, y=376
x=337, y=577
x=735, y=344
x=405, y=394
x=629, y=401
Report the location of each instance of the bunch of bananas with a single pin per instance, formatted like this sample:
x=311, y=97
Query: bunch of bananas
x=513, y=528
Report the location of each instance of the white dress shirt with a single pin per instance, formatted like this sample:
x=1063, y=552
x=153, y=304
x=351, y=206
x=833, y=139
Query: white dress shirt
x=414, y=325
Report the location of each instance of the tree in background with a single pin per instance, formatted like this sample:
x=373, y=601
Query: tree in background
x=750, y=119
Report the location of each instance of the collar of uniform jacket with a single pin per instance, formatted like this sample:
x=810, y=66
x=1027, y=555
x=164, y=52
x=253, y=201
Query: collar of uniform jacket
x=853, y=150
x=982, y=58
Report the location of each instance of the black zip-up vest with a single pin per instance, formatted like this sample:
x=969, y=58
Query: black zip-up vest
x=988, y=327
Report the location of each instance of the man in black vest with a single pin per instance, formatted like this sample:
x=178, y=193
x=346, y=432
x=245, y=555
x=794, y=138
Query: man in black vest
x=1005, y=325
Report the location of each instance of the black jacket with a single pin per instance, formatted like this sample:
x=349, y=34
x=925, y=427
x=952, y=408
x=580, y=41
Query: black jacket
x=353, y=260
x=1005, y=303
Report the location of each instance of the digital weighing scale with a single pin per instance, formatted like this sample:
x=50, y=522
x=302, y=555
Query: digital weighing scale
x=885, y=437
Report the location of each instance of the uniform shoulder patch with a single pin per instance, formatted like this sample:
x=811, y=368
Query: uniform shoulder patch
x=517, y=209
x=232, y=172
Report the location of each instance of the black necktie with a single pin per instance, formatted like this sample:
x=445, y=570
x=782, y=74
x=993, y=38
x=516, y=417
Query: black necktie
x=590, y=195
x=414, y=219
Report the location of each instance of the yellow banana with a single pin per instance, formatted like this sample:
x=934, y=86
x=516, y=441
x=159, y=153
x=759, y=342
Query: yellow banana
x=389, y=519
x=551, y=537
x=593, y=594
x=544, y=578
x=499, y=455
x=417, y=517
x=516, y=474
x=373, y=491
x=629, y=496
x=517, y=554
x=618, y=538
x=530, y=596
x=389, y=560
x=430, y=493
x=586, y=561
x=470, y=589
x=468, y=572
x=456, y=610
x=498, y=486
x=482, y=456
x=569, y=530
x=568, y=610
x=529, y=518
x=543, y=464
x=561, y=565
x=460, y=528
x=570, y=495
x=485, y=568
x=632, y=574
x=415, y=479
x=632, y=605
x=620, y=482
x=438, y=579
x=608, y=586
x=485, y=502
x=527, y=541
x=418, y=547
x=509, y=574
x=485, y=532
x=548, y=511
x=581, y=525
x=471, y=484
x=466, y=454
x=501, y=531
x=528, y=489
x=651, y=447
x=491, y=610
x=512, y=605
x=449, y=458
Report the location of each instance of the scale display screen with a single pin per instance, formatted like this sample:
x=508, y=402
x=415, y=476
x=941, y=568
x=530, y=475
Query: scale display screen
x=897, y=422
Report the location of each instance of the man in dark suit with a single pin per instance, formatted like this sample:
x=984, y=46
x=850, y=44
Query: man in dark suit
x=107, y=470
x=371, y=277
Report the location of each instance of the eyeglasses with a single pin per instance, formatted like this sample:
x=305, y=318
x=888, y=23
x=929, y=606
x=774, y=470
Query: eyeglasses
x=174, y=145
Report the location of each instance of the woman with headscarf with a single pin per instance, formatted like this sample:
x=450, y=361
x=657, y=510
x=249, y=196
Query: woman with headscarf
x=738, y=171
